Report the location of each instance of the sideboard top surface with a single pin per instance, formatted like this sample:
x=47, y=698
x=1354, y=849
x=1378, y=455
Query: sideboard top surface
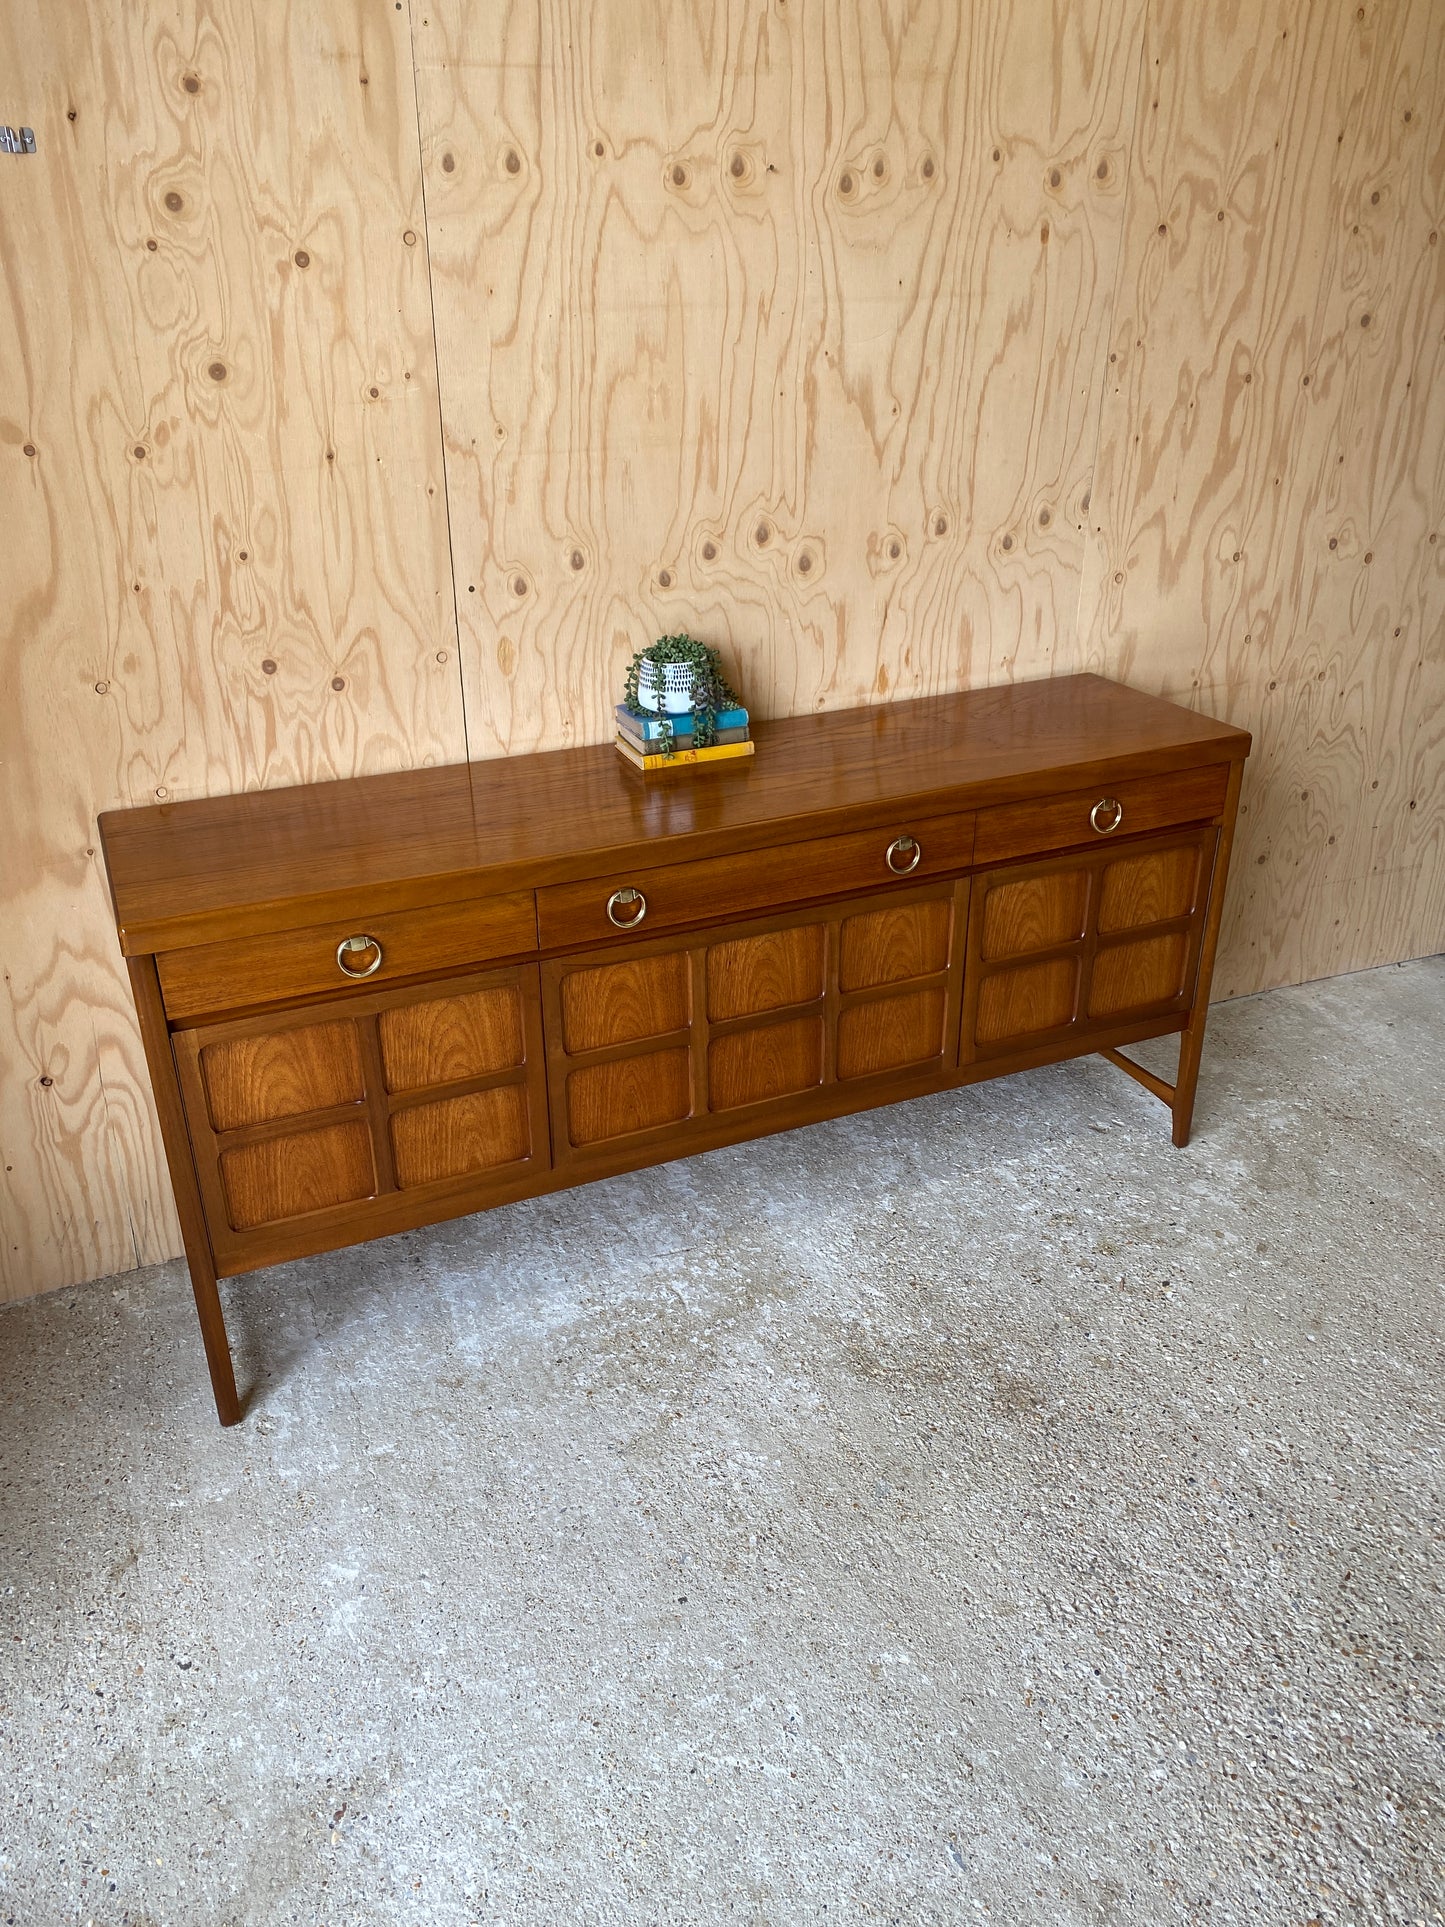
x=197, y=871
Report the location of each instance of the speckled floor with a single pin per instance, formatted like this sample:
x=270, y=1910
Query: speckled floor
x=973, y=1511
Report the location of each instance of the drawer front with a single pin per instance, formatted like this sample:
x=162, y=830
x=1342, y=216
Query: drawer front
x=299, y=963
x=1112, y=811
x=730, y=886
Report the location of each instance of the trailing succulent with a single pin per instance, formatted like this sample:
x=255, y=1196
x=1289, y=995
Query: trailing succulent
x=711, y=691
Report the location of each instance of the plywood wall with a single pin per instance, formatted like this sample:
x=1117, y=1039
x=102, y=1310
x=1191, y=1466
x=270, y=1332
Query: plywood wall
x=781, y=322
x=223, y=555
x=1267, y=538
x=374, y=378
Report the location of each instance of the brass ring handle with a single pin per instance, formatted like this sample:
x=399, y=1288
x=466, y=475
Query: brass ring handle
x=904, y=846
x=622, y=899
x=352, y=947
x=1116, y=813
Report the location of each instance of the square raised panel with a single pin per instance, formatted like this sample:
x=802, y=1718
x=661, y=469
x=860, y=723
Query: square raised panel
x=889, y=946
x=630, y=1094
x=1027, y=999
x=286, y=1177
x=767, y=1061
x=619, y=1003
x=1134, y=976
x=281, y=1073
x=1149, y=888
x=756, y=974
x=457, y=1135
x=888, y=1033
x=445, y=1039
x=1035, y=913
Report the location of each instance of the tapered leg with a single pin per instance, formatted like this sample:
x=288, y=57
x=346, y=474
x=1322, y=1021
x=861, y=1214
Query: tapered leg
x=213, y=1336
x=155, y=1035
x=1191, y=1041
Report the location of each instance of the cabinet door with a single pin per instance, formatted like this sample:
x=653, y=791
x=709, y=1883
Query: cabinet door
x=752, y=1026
x=350, y=1119
x=1087, y=943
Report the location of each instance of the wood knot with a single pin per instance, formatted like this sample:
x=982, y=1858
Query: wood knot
x=191, y=84
x=513, y=161
x=449, y=163
x=174, y=202
x=709, y=551
x=302, y=258
x=217, y=371
x=268, y=667
x=338, y=683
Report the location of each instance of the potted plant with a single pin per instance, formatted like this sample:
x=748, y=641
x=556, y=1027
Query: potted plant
x=679, y=676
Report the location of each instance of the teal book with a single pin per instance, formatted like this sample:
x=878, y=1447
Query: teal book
x=647, y=728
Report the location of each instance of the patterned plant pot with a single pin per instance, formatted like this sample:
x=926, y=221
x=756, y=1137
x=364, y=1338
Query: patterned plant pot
x=675, y=697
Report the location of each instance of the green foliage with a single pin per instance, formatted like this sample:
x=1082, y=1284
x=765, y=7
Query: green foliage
x=711, y=690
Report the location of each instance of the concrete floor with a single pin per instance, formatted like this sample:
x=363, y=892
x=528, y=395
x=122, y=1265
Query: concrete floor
x=973, y=1511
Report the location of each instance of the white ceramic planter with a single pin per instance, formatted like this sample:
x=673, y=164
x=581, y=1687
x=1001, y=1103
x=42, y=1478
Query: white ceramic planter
x=675, y=696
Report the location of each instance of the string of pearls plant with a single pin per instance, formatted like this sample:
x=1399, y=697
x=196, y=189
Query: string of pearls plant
x=679, y=676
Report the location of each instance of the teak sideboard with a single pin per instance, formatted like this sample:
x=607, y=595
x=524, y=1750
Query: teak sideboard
x=373, y=1004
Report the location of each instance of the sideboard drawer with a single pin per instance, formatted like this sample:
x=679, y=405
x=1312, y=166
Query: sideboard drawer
x=731, y=886
x=1089, y=816
x=216, y=977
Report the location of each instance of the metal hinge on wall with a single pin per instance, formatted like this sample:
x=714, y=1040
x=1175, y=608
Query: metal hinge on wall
x=17, y=140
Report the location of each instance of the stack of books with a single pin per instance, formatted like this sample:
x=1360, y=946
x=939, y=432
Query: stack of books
x=640, y=734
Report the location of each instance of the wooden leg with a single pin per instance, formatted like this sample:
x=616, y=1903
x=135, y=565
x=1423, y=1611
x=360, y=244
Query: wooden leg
x=1179, y=1095
x=1191, y=1042
x=155, y=1035
x=213, y=1336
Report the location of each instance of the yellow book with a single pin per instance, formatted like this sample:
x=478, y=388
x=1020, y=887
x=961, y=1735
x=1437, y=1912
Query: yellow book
x=715, y=753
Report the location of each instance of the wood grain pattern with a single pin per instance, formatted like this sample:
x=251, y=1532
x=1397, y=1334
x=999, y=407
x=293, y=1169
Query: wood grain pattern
x=629, y=1095
x=1136, y=976
x=621, y=1002
x=886, y=1033
x=224, y=561
x=1030, y=997
x=887, y=946
x=1149, y=888
x=764, y=1062
x=456, y=1135
x=440, y=1040
x=754, y=974
x=1033, y=913
x=1267, y=539
x=795, y=346
x=284, y=1177
x=281, y=1074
